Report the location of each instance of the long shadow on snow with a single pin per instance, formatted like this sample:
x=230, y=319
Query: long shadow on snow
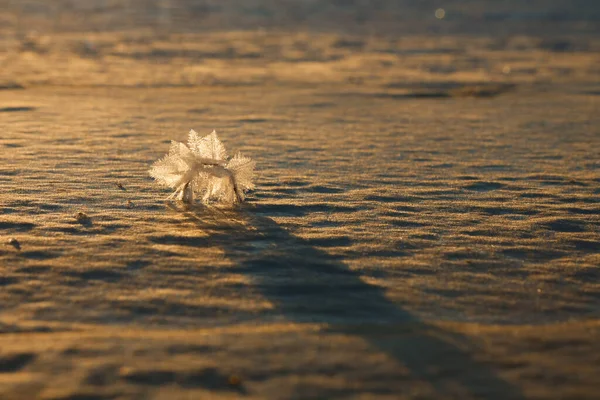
x=308, y=285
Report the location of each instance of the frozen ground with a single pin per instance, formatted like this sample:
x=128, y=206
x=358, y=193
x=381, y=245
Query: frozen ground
x=426, y=222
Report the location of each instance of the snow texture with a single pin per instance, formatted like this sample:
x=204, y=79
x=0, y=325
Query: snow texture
x=203, y=168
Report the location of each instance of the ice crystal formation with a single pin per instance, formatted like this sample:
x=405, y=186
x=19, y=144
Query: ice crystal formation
x=203, y=168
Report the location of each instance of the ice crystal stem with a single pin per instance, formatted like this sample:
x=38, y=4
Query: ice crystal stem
x=186, y=194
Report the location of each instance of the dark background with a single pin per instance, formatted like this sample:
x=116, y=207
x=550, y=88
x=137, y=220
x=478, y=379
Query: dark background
x=484, y=17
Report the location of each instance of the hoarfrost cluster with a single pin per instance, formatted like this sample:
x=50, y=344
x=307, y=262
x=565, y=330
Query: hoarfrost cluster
x=203, y=168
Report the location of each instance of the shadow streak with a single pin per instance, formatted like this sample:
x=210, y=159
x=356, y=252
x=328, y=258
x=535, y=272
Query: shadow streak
x=308, y=285
x=16, y=109
x=438, y=91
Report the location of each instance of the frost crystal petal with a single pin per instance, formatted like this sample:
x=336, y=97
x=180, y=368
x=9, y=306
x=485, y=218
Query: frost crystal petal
x=193, y=140
x=242, y=169
x=172, y=169
x=208, y=147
